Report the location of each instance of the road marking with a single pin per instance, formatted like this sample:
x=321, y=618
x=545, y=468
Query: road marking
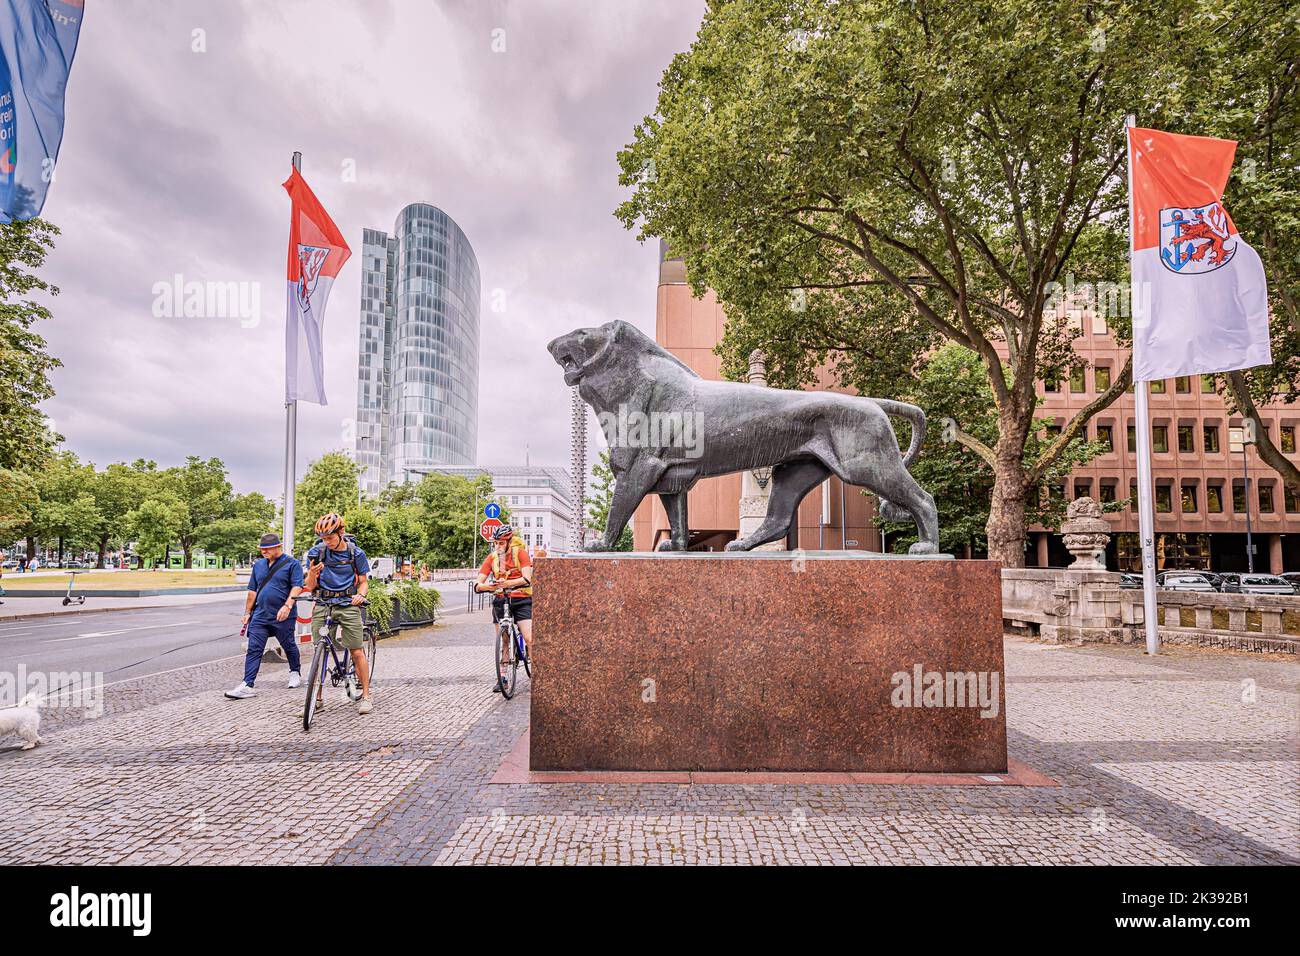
x=142, y=627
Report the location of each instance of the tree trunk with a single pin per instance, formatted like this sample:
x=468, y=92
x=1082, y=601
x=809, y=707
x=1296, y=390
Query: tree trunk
x=103, y=547
x=1268, y=452
x=189, y=557
x=1006, y=524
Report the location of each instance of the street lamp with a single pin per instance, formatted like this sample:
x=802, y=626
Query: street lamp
x=1238, y=439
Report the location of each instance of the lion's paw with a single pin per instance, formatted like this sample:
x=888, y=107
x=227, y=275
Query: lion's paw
x=923, y=547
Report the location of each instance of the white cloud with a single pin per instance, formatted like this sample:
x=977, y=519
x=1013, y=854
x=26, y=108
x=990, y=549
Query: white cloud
x=172, y=162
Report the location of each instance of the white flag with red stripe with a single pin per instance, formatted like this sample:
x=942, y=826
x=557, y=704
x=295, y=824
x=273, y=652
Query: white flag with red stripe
x=316, y=254
x=1200, y=297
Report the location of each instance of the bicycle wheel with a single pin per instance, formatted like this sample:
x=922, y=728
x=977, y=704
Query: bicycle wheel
x=371, y=643
x=315, y=679
x=507, y=661
x=524, y=655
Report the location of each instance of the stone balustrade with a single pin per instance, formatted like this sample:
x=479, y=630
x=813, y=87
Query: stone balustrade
x=1064, y=606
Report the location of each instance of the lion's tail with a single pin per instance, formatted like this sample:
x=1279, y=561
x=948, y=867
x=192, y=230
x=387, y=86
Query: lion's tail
x=888, y=510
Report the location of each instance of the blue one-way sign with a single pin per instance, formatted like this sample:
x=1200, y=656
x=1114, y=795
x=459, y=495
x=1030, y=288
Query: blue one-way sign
x=492, y=509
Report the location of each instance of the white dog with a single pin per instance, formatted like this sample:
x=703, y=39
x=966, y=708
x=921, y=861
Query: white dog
x=23, y=720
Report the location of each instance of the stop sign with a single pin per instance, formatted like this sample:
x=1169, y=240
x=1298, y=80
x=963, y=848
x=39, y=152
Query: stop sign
x=488, y=526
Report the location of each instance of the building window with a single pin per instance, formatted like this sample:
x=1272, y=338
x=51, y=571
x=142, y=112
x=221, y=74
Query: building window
x=1288, y=439
x=1101, y=377
x=1158, y=387
x=1289, y=500
x=1082, y=487
x=1189, y=499
x=1160, y=438
x=1266, y=498
x=1183, y=384
x=1207, y=384
x=1132, y=439
x=1239, y=496
x=1133, y=494
x=1210, y=438
x=1164, y=498
x=1106, y=435
x=1107, y=492
x=1051, y=386
x=1186, y=444
x=1076, y=380
x=1214, y=499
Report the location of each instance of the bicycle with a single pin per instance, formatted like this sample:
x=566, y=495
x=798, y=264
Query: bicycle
x=328, y=659
x=511, y=651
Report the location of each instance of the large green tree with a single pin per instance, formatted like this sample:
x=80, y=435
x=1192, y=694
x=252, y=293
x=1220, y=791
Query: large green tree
x=19, y=498
x=118, y=490
x=206, y=493
x=933, y=168
x=450, y=520
x=26, y=441
x=156, y=525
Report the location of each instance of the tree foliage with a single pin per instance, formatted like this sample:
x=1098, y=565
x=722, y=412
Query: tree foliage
x=26, y=440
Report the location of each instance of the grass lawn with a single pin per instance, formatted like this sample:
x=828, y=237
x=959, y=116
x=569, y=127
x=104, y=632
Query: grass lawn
x=121, y=580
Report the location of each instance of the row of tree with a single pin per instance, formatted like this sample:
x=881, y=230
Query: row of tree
x=71, y=505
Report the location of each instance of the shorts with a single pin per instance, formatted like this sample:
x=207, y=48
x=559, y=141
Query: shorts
x=349, y=628
x=520, y=607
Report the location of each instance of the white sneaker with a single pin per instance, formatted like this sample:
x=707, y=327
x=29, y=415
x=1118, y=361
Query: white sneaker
x=241, y=692
x=295, y=679
x=366, y=706
x=320, y=705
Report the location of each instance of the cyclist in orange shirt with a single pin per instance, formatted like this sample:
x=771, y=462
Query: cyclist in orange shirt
x=510, y=568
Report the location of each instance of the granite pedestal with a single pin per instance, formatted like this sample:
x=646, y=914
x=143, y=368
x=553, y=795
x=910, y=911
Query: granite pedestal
x=768, y=661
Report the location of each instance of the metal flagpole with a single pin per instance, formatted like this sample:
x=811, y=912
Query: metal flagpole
x=290, y=440
x=1142, y=426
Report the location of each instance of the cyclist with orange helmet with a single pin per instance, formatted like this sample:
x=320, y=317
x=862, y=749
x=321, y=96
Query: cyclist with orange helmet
x=511, y=571
x=336, y=575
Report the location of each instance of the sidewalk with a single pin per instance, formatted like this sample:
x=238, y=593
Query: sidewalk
x=1186, y=758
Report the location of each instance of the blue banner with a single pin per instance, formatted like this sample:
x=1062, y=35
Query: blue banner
x=38, y=39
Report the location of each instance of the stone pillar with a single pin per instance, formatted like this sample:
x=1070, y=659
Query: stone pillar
x=1275, y=554
x=753, y=493
x=1042, y=549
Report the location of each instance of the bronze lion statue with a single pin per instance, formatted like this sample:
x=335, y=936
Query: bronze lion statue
x=668, y=428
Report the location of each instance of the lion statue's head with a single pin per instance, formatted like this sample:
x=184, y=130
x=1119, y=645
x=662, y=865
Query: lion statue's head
x=616, y=348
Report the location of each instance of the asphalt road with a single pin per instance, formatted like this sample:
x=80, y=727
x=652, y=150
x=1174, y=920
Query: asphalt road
x=125, y=644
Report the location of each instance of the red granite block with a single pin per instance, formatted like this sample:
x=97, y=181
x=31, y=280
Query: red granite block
x=718, y=662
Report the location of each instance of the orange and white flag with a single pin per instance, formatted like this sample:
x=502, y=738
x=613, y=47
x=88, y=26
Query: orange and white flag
x=1200, y=300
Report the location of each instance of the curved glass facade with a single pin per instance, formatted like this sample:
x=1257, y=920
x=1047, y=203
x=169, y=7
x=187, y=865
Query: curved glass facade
x=417, y=393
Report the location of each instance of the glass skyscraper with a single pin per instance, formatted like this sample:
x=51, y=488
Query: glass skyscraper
x=417, y=384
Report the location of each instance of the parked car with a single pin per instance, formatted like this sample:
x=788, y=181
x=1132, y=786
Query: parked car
x=1215, y=579
x=1256, y=584
x=11, y=563
x=1292, y=578
x=1130, y=582
x=1184, y=581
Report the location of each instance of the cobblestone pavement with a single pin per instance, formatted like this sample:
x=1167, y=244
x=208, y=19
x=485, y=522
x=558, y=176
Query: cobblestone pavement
x=1187, y=758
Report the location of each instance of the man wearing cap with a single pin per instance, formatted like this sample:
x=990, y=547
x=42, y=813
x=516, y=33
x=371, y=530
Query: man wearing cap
x=269, y=610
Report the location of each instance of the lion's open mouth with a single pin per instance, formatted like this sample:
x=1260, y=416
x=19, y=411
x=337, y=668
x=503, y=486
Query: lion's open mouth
x=572, y=371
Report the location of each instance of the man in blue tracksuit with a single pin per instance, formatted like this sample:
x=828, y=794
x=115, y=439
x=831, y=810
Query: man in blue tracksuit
x=269, y=611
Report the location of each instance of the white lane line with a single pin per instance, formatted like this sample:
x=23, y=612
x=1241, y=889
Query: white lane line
x=125, y=630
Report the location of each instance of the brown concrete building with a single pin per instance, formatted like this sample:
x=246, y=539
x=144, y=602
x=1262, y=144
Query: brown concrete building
x=1197, y=463
x=1200, y=472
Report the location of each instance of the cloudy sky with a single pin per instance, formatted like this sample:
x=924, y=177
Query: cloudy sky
x=182, y=117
